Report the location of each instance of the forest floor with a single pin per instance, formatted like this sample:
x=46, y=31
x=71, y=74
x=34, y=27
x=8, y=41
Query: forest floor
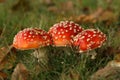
x=64, y=63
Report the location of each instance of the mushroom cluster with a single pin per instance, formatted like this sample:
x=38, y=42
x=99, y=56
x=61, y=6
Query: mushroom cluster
x=60, y=34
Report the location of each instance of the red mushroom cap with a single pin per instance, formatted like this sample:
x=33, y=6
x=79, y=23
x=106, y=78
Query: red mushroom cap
x=30, y=38
x=89, y=39
x=63, y=32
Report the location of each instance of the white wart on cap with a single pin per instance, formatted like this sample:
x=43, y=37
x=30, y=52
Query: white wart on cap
x=89, y=39
x=63, y=32
x=30, y=38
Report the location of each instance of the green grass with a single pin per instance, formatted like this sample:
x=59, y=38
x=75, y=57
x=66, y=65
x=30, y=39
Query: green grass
x=60, y=61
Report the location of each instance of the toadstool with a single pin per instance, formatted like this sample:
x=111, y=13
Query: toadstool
x=31, y=38
x=89, y=39
x=63, y=32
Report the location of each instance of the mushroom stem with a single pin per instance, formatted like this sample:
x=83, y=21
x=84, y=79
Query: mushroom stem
x=84, y=58
x=41, y=55
x=66, y=50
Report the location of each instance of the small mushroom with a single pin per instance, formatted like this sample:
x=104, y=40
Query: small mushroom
x=63, y=32
x=31, y=38
x=89, y=39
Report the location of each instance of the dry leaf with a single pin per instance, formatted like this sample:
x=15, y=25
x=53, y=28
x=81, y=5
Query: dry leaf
x=109, y=72
x=100, y=15
x=7, y=57
x=1, y=32
x=20, y=73
x=117, y=58
x=67, y=6
x=4, y=51
x=109, y=1
x=108, y=17
x=53, y=9
x=3, y=75
x=21, y=5
x=90, y=18
x=1, y=1
x=73, y=75
x=48, y=2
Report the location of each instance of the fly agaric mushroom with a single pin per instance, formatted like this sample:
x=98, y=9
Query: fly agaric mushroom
x=89, y=39
x=30, y=38
x=63, y=32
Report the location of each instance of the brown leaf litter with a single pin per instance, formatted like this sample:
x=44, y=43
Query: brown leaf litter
x=20, y=73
